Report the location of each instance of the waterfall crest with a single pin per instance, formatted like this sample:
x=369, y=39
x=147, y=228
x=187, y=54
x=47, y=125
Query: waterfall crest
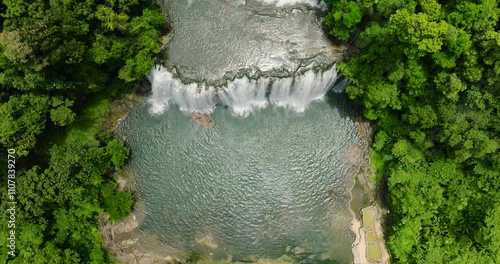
x=241, y=95
x=281, y=3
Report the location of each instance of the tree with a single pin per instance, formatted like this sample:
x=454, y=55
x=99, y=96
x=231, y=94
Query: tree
x=117, y=204
x=343, y=18
x=118, y=152
x=24, y=119
x=61, y=63
x=431, y=89
x=62, y=114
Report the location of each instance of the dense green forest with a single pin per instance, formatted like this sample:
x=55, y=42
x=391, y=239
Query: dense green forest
x=61, y=63
x=427, y=73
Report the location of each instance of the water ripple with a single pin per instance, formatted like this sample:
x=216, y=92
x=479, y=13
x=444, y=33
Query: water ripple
x=255, y=185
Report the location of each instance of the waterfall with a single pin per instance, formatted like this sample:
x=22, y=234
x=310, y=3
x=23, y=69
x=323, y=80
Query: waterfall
x=169, y=90
x=244, y=95
x=281, y=3
x=241, y=95
x=298, y=92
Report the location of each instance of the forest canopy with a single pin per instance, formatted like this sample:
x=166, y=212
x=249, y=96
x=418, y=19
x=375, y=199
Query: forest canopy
x=427, y=73
x=52, y=56
x=61, y=63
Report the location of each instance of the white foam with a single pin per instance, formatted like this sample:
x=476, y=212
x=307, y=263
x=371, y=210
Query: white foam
x=299, y=92
x=189, y=97
x=242, y=95
x=281, y=3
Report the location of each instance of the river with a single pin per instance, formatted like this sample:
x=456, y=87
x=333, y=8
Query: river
x=271, y=178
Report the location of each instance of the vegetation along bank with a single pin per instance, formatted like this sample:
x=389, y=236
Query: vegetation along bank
x=427, y=74
x=61, y=64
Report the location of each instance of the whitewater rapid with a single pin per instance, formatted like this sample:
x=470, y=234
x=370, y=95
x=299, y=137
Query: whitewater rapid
x=241, y=95
x=281, y=3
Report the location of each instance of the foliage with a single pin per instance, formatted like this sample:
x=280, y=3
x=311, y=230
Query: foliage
x=343, y=18
x=117, y=204
x=23, y=119
x=118, y=153
x=62, y=114
x=378, y=164
x=61, y=63
x=64, y=51
x=428, y=75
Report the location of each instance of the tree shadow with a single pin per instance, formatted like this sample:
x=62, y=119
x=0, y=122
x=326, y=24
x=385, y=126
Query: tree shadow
x=340, y=101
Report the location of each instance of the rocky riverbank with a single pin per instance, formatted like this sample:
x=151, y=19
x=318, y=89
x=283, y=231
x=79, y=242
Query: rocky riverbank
x=120, y=107
x=369, y=245
x=123, y=239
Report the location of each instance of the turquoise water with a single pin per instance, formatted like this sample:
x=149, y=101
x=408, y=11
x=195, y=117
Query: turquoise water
x=256, y=186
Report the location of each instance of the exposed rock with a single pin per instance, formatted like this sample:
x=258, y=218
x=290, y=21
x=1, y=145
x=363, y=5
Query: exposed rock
x=121, y=182
x=355, y=155
x=340, y=195
x=144, y=86
x=298, y=250
x=207, y=241
x=122, y=239
x=364, y=128
x=119, y=109
x=126, y=225
x=165, y=39
x=129, y=242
